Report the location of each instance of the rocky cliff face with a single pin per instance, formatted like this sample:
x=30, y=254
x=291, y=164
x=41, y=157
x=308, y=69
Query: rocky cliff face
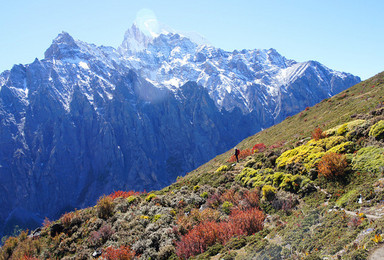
x=88, y=120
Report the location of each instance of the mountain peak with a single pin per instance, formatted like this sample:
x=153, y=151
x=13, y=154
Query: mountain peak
x=141, y=34
x=64, y=38
x=134, y=40
x=62, y=46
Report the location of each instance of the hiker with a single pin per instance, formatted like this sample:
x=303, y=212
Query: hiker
x=237, y=152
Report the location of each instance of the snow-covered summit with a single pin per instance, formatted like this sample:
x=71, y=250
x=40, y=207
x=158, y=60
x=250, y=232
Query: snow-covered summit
x=242, y=79
x=171, y=59
x=134, y=40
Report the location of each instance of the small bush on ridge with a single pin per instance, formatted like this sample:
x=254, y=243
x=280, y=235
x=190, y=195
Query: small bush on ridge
x=332, y=165
x=105, y=207
x=318, y=134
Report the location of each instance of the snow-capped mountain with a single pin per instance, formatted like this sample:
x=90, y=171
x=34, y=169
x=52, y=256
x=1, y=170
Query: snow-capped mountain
x=170, y=60
x=87, y=120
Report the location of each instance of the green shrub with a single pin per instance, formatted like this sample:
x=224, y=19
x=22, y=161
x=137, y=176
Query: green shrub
x=196, y=188
x=156, y=217
x=369, y=159
x=307, y=154
x=286, y=184
x=346, y=147
x=328, y=143
x=246, y=174
x=293, y=183
x=204, y=195
x=269, y=192
x=222, y=168
x=349, y=197
x=261, y=177
x=342, y=129
x=227, y=207
x=150, y=197
x=131, y=199
x=377, y=130
x=278, y=178
x=346, y=128
x=250, y=163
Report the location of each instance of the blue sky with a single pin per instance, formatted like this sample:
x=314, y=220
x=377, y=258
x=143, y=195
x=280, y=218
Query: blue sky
x=343, y=35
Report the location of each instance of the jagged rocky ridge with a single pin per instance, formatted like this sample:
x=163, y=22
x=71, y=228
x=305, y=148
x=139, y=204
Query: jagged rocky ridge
x=88, y=120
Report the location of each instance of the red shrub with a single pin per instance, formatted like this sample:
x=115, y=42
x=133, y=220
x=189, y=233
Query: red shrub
x=232, y=158
x=121, y=253
x=332, y=165
x=208, y=233
x=318, y=134
x=258, y=148
x=246, y=222
x=307, y=108
x=201, y=237
x=123, y=194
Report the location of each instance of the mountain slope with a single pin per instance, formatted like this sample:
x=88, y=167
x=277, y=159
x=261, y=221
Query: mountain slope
x=87, y=120
x=305, y=212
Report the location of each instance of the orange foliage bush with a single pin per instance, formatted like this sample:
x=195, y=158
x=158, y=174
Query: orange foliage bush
x=66, y=219
x=332, y=165
x=243, y=154
x=187, y=222
x=230, y=196
x=121, y=253
x=251, y=199
x=318, y=134
x=105, y=207
x=123, y=194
